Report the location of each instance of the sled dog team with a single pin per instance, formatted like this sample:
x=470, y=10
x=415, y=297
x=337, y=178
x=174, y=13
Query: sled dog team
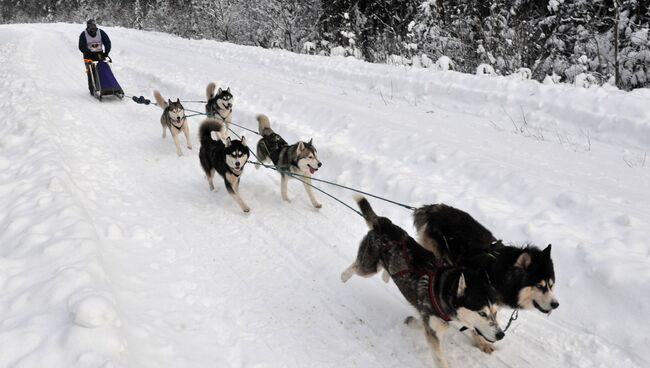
x=456, y=271
x=227, y=157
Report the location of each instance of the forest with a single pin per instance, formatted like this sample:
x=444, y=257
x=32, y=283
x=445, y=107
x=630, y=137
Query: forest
x=586, y=42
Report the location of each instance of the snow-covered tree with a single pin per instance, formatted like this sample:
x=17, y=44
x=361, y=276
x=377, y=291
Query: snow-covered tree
x=594, y=40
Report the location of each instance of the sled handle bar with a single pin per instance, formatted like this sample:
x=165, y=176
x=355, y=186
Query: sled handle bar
x=107, y=58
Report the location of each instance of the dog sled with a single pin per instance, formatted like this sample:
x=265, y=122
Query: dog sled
x=104, y=82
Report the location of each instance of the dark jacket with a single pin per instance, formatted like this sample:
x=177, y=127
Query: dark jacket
x=83, y=47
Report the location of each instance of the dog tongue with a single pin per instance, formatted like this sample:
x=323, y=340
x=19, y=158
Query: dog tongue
x=312, y=170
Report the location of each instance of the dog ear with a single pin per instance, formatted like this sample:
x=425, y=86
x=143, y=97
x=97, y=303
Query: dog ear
x=310, y=140
x=547, y=251
x=301, y=146
x=228, y=142
x=169, y=101
x=462, y=285
x=219, y=91
x=228, y=90
x=178, y=100
x=243, y=140
x=523, y=261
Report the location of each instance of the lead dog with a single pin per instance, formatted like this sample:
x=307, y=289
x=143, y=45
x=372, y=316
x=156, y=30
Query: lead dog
x=225, y=156
x=523, y=277
x=219, y=104
x=439, y=293
x=298, y=158
x=173, y=118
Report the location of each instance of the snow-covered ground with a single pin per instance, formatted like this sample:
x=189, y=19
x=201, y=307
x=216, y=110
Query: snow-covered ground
x=113, y=253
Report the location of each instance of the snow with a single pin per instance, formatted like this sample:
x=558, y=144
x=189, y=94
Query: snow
x=113, y=253
x=485, y=70
x=444, y=63
x=640, y=37
x=554, y=5
x=308, y=47
x=521, y=74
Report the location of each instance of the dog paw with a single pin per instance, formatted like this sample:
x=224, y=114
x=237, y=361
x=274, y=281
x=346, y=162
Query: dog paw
x=486, y=347
x=286, y=200
x=179, y=153
x=189, y=147
x=385, y=276
x=318, y=205
x=246, y=209
x=412, y=322
x=345, y=275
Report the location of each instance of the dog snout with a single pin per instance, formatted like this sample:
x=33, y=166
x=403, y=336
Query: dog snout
x=554, y=304
x=499, y=335
x=237, y=164
x=320, y=164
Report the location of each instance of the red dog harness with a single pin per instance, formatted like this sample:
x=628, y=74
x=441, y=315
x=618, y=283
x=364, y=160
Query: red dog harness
x=432, y=275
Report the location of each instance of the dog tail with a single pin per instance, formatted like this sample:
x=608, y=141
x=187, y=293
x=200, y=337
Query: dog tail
x=367, y=211
x=264, y=125
x=160, y=100
x=209, y=90
x=207, y=127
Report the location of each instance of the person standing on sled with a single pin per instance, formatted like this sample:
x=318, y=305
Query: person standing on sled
x=95, y=45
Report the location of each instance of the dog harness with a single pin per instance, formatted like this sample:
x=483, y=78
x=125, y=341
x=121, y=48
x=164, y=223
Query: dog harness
x=224, y=118
x=241, y=171
x=432, y=275
x=179, y=126
x=432, y=296
x=274, y=144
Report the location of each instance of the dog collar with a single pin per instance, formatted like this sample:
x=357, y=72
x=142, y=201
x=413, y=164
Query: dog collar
x=224, y=118
x=179, y=126
x=241, y=170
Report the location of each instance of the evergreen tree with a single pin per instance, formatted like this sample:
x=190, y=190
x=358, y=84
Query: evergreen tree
x=577, y=40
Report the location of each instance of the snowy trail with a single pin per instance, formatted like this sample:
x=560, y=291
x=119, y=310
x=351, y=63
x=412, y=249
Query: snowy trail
x=196, y=283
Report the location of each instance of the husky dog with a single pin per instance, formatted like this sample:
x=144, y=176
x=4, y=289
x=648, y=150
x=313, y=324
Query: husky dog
x=225, y=156
x=219, y=105
x=173, y=118
x=522, y=276
x=298, y=158
x=439, y=293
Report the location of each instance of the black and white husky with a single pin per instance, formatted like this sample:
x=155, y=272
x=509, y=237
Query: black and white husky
x=225, y=156
x=298, y=158
x=173, y=118
x=219, y=105
x=440, y=293
x=523, y=277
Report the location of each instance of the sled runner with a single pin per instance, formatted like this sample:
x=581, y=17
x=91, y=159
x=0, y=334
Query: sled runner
x=104, y=82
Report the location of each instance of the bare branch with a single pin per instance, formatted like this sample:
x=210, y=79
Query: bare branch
x=627, y=162
x=511, y=119
x=382, y=97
